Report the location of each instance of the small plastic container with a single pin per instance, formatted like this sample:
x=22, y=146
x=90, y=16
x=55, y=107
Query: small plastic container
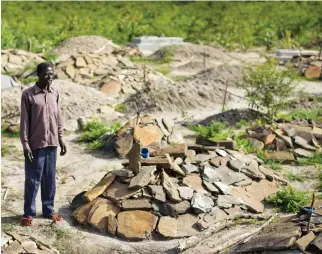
x=145, y=153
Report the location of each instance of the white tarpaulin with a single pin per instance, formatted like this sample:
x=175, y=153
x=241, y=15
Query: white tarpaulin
x=8, y=82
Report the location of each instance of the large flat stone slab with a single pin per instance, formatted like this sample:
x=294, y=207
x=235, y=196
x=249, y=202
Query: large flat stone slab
x=119, y=191
x=136, y=224
x=187, y=225
x=143, y=178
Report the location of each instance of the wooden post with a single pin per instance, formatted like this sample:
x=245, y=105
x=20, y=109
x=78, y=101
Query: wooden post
x=29, y=45
x=223, y=105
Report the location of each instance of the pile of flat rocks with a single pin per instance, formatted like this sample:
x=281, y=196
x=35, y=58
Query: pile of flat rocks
x=15, y=61
x=17, y=243
x=175, y=194
x=289, y=141
x=113, y=74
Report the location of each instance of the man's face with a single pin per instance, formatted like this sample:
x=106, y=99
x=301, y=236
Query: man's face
x=46, y=76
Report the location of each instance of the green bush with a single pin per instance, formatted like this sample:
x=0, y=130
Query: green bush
x=289, y=200
x=94, y=129
x=266, y=88
x=214, y=131
x=121, y=108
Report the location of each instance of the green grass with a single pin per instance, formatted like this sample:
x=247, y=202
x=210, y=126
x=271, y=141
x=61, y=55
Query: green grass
x=276, y=166
x=7, y=227
x=49, y=56
x=121, y=108
x=294, y=177
x=164, y=69
x=7, y=149
x=14, y=134
x=30, y=80
x=214, y=131
x=315, y=160
x=288, y=199
x=61, y=233
x=179, y=78
x=94, y=129
x=313, y=114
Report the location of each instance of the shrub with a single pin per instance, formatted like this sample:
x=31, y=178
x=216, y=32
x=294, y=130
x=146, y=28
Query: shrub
x=266, y=88
x=288, y=199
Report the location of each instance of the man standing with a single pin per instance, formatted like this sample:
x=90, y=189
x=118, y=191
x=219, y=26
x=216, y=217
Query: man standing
x=41, y=131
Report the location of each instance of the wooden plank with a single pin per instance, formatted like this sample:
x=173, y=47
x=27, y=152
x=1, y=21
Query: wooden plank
x=134, y=158
x=201, y=148
x=153, y=161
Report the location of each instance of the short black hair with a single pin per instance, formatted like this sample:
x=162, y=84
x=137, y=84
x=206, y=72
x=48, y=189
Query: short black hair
x=43, y=66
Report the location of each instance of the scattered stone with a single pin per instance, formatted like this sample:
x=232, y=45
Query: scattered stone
x=227, y=201
x=210, y=174
x=178, y=161
x=167, y=227
x=123, y=172
x=194, y=181
x=136, y=224
x=305, y=240
x=185, y=193
x=143, y=178
x=175, y=167
x=71, y=71
x=182, y=207
x=82, y=212
x=111, y=224
x=227, y=176
x=80, y=62
x=99, y=217
x=256, y=144
x=236, y=165
x=13, y=248
x=267, y=172
x=303, y=144
x=162, y=127
x=191, y=154
x=233, y=210
x=168, y=123
x=244, y=183
x=189, y=168
x=15, y=59
x=199, y=158
x=140, y=203
x=165, y=209
x=251, y=203
x=223, y=188
x=290, y=132
x=201, y=203
x=211, y=218
x=176, y=137
x=119, y=191
x=221, y=152
x=157, y=192
x=303, y=153
x=316, y=245
x=29, y=246
x=78, y=200
x=210, y=187
x=111, y=87
x=251, y=170
x=287, y=140
x=269, y=139
x=186, y=225
x=99, y=188
x=169, y=187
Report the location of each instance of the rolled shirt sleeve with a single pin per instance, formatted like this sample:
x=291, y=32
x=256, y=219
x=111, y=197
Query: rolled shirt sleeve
x=24, y=121
x=60, y=123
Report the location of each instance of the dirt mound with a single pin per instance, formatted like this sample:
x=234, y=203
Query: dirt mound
x=88, y=44
x=201, y=90
x=76, y=101
x=233, y=116
x=189, y=51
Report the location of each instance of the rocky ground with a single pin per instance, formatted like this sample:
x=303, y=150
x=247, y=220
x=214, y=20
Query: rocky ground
x=188, y=101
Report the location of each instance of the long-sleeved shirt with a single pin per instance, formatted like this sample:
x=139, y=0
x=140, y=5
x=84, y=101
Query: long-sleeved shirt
x=41, y=123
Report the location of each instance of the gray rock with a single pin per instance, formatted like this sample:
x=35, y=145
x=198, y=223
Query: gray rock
x=244, y=183
x=236, y=165
x=143, y=177
x=267, y=172
x=303, y=144
x=176, y=137
x=210, y=187
x=168, y=123
x=227, y=201
x=201, y=203
x=223, y=188
x=141, y=203
x=157, y=192
x=303, y=153
x=209, y=174
x=199, y=158
x=162, y=127
x=169, y=187
x=290, y=132
x=221, y=152
x=189, y=168
x=182, y=207
x=164, y=208
x=123, y=173
x=178, y=161
x=208, y=219
x=185, y=193
x=251, y=170
x=228, y=176
x=287, y=140
x=191, y=154
x=258, y=145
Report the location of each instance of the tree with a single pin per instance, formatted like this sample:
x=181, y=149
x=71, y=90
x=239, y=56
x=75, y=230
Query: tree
x=266, y=87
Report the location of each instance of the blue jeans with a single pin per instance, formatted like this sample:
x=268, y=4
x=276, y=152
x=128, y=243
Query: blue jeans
x=41, y=171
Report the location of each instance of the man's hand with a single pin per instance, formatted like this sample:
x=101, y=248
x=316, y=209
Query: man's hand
x=28, y=154
x=63, y=148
